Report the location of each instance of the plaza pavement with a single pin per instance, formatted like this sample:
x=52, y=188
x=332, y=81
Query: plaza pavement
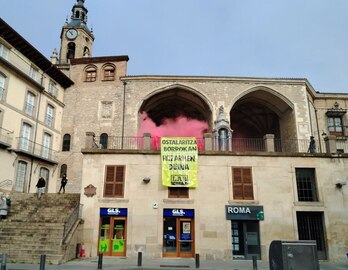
x=116, y=263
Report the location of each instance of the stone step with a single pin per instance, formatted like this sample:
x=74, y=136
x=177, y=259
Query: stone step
x=36, y=226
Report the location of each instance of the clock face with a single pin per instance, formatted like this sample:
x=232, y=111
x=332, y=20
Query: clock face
x=71, y=33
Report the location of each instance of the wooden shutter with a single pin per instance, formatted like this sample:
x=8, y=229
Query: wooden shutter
x=242, y=184
x=114, y=181
x=178, y=192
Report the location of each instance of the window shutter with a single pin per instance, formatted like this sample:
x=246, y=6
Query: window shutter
x=178, y=192
x=242, y=184
x=247, y=184
x=237, y=183
x=119, y=181
x=114, y=181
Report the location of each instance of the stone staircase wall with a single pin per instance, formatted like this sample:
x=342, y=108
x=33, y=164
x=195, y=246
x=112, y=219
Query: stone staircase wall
x=37, y=226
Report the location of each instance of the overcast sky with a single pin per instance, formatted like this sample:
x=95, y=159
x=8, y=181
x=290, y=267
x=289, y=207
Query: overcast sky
x=243, y=38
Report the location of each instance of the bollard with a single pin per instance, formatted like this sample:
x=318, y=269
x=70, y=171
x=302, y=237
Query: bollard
x=254, y=263
x=3, y=262
x=140, y=258
x=100, y=261
x=42, y=262
x=197, y=260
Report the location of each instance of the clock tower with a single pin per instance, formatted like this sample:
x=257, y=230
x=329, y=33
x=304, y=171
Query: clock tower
x=76, y=38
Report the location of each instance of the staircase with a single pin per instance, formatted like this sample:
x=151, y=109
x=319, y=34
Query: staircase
x=40, y=226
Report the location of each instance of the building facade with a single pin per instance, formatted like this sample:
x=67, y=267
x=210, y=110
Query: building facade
x=272, y=162
x=31, y=108
x=271, y=158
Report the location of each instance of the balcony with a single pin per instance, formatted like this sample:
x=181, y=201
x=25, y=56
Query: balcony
x=6, y=138
x=238, y=145
x=35, y=150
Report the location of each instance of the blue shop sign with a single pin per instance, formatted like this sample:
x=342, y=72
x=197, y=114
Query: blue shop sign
x=178, y=212
x=113, y=212
x=244, y=212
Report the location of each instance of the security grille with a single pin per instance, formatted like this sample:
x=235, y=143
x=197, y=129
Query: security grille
x=306, y=187
x=310, y=227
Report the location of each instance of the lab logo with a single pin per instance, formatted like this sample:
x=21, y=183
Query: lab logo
x=178, y=179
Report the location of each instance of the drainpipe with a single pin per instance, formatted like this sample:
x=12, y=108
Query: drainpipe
x=316, y=119
x=123, y=111
x=34, y=140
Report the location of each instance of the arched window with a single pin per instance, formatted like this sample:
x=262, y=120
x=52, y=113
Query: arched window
x=2, y=86
x=104, y=140
x=90, y=74
x=109, y=73
x=86, y=52
x=66, y=142
x=71, y=51
x=77, y=14
x=21, y=174
x=45, y=174
x=63, y=170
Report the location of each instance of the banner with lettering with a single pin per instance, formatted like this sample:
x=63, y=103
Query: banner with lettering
x=179, y=156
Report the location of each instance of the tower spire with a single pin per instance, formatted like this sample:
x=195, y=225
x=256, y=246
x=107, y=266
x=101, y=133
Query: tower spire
x=79, y=15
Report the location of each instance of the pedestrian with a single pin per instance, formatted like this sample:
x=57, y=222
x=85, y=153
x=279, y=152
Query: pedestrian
x=63, y=183
x=312, y=146
x=40, y=187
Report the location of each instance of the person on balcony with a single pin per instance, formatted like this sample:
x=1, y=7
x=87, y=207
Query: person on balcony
x=312, y=147
x=63, y=183
x=41, y=184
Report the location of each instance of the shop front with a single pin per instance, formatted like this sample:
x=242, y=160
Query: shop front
x=113, y=231
x=178, y=233
x=245, y=230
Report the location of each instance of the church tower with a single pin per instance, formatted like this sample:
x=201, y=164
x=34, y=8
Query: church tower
x=76, y=38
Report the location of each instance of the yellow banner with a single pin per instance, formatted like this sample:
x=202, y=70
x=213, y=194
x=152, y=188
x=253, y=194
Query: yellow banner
x=179, y=162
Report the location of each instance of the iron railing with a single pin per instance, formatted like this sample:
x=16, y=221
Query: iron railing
x=238, y=144
x=6, y=136
x=69, y=223
x=36, y=149
x=342, y=146
x=6, y=182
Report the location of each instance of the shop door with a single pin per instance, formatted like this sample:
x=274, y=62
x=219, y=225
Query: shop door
x=245, y=239
x=178, y=239
x=112, y=239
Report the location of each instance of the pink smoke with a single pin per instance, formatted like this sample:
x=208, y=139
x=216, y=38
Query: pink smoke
x=177, y=127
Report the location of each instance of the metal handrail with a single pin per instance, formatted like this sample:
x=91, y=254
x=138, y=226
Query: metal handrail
x=6, y=182
x=74, y=216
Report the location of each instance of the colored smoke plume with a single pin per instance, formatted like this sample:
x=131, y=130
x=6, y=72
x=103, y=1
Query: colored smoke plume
x=176, y=127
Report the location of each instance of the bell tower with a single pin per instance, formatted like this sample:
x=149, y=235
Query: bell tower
x=76, y=38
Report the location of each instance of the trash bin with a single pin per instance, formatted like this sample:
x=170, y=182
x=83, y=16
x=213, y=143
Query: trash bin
x=289, y=255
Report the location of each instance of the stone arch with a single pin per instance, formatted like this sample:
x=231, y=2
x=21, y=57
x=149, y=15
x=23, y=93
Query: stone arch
x=261, y=110
x=167, y=104
x=170, y=98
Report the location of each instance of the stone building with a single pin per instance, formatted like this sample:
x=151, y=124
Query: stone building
x=267, y=159
x=272, y=162
x=31, y=109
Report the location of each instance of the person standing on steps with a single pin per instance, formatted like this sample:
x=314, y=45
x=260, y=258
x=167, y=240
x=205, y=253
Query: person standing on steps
x=63, y=183
x=40, y=187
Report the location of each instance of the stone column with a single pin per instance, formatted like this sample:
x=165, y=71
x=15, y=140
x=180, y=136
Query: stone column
x=208, y=141
x=330, y=144
x=147, y=141
x=90, y=140
x=268, y=140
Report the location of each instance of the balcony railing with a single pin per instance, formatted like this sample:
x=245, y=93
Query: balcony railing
x=238, y=145
x=6, y=137
x=36, y=150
